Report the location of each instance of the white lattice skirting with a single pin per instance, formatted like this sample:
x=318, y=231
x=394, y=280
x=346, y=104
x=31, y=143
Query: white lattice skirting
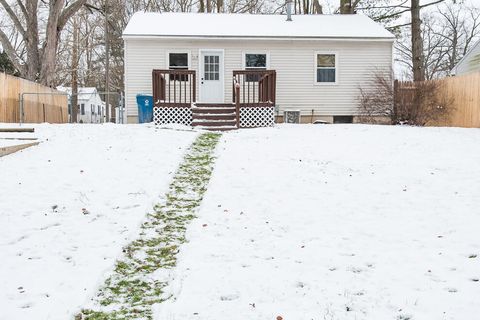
x=167, y=115
x=257, y=117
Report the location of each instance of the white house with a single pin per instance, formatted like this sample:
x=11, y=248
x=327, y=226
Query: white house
x=91, y=108
x=314, y=64
x=470, y=62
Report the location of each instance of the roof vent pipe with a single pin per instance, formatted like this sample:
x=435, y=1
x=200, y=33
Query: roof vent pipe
x=289, y=10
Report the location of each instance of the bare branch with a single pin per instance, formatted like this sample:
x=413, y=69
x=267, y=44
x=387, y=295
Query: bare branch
x=11, y=52
x=13, y=17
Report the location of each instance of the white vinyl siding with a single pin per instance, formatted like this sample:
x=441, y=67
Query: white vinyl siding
x=471, y=62
x=292, y=59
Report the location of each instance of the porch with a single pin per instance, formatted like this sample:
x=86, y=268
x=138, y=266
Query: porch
x=253, y=94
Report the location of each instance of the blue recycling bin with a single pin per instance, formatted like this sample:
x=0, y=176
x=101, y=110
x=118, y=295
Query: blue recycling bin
x=145, y=108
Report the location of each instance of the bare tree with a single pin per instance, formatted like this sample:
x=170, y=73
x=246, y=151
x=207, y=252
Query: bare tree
x=411, y=102
x=459, y=27
x=40, y=37
x=421, y=102
x=74, y=96
x=376, y=101
x=447, y=34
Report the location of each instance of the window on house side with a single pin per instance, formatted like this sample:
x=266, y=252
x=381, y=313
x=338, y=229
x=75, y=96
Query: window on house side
x=82, y=109
x=178, y=61
x=255, y=61
x=326, y=68
x=342, y=119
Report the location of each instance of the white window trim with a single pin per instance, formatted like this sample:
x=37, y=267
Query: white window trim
x=189, y=57
x=315, y=69
x=267, y=53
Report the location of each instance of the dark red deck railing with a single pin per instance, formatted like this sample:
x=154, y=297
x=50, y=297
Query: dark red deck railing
x=257, y=87
x=174, y=88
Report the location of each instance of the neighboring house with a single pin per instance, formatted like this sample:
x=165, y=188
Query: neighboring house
x=91, y=108
x=470, y=61
x=314, y=64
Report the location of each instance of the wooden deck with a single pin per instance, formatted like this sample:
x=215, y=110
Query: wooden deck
x=174, y=90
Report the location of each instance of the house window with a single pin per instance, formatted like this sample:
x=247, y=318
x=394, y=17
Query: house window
x=211, y=67
x=178, y=61
x=342, y=119
x=82, y=109
x=92, y=109
x=255, y=61
x=326, y=68
x=99, y=110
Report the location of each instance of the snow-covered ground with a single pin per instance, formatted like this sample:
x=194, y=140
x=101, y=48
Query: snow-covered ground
x=335, y=222
x=68, y=206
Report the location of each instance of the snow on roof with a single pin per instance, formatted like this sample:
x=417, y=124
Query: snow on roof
x=214, y=25
x=83, y=92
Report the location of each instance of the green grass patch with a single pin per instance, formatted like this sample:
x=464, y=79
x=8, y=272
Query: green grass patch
x=131, y=289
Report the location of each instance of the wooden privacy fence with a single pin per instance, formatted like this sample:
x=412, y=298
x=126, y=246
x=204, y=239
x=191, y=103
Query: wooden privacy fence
x=465, y=93
x=40, y=103
x=462, y=93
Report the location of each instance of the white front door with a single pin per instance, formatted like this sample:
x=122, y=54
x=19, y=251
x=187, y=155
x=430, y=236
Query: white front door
x=211, y=76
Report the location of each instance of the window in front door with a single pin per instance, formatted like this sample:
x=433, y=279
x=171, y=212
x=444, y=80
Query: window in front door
x=211, y=70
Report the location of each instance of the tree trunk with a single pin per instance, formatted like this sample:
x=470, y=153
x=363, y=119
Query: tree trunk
x=317, y=7
x=107, y=66
x=305, y=6
x=346, y=7
x=74, y=96
x=47, y=71
x=417, y=43
x=31, y=41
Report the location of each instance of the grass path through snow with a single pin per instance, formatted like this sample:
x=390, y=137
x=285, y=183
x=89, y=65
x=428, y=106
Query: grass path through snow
x=137, y=282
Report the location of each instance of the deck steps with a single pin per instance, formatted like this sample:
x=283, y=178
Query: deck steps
x=214, y=117
x=219, y=128
x=213, y=109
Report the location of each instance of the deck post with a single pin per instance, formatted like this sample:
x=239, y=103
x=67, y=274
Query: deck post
x=237, y=103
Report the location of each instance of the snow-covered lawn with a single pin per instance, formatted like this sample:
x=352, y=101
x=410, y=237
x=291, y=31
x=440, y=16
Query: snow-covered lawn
x=68, y=206
x=335, y=222
x=303, y=222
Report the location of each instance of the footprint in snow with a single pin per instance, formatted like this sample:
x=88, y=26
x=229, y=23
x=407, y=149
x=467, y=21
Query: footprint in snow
x=229, y=297
x=452, y=290
x=355, y=269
